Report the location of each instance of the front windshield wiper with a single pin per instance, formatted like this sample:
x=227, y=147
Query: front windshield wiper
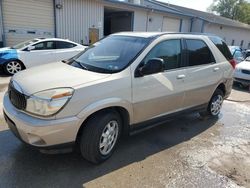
x=81, y=65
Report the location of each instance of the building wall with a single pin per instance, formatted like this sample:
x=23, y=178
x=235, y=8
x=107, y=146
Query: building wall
x=196, y=25
x=140, y=20
x=27, y=19
x=186, y=22
x=229, y=34
x=76, y=17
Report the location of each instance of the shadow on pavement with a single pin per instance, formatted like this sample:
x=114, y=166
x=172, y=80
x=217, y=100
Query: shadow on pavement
x=21, y=166
x=238, y=87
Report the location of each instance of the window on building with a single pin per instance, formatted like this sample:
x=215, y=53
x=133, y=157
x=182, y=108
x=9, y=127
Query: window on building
x=169, y=51
x=248, y=45
x=241, y=43
x=198, y=53
x=232, y=42
x=63, y=45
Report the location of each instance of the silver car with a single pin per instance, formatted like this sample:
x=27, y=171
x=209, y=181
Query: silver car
x=119, y=83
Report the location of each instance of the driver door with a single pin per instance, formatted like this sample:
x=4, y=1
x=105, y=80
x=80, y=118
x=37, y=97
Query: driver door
x=161, y=93
x=43, y=52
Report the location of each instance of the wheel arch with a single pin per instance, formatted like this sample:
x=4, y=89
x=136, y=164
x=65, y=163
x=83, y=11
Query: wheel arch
x=123, y=108
x=15, y=59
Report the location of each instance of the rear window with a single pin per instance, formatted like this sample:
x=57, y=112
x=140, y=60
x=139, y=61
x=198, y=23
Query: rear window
x=198, y=53
x=222, y=46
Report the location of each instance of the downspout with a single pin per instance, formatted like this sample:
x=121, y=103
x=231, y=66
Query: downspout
x=54, y=8
x=2, y=24
x=180, y=25
x=147, y=21
x=202, y=27
x=191, y=25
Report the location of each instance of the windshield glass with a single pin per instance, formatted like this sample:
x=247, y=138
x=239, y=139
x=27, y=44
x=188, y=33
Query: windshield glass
x=23, y=44
x=111, y=54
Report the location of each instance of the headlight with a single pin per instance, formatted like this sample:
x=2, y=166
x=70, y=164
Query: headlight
x=48, y=102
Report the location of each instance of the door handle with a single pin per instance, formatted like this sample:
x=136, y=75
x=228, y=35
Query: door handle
x=181, y=76
x=216, y=69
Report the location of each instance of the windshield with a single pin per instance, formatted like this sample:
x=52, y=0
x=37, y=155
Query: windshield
x=23, y=44
x=111, y=54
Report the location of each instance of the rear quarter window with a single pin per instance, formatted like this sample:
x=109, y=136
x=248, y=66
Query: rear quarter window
x=222, y=46
x=198, y=53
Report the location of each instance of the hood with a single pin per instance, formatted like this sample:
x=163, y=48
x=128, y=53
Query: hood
x=244, y=65
x=7, y=54
x=54, y=75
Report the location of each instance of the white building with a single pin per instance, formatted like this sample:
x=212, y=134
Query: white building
x=86, y=21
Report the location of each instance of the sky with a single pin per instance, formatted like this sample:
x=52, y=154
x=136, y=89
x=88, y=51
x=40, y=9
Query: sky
x=194, y=4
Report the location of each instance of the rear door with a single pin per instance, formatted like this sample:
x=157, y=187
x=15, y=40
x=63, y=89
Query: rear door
x=65, y=50
x=203, y=73
x=158, y=94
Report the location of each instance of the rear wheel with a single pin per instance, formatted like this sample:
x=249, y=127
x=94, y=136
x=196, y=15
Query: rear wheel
x=100, y=136
x=215, y=104
x=12, y=67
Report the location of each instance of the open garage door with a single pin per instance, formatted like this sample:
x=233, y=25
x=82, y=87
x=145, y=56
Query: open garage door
x=171, y=24
x=117, y=20
x=27, y=19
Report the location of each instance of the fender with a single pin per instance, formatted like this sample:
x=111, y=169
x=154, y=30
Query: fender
x=106, y=103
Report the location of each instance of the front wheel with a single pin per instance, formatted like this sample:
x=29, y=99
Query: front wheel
x=100, y=136
x=215, y=104
x=12, y=67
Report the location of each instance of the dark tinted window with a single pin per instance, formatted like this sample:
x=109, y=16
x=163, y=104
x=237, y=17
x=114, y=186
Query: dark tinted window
x=198, y=53
x=48, y=45
x=222, y=46
x=62, y=45
x=169, y=51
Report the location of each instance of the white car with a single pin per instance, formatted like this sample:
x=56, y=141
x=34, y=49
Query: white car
x=242, y=72
x=37, y=51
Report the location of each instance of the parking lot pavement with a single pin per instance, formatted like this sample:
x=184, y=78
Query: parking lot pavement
x=185, y=152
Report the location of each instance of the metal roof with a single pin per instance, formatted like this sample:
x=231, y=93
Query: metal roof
x=151, y=6
x=209, y=17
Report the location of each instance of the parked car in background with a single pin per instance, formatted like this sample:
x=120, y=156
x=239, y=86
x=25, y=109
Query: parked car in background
x=242, y=73
x=35, y=52
x=238, y=53
x=247, y=53
x=119, y=83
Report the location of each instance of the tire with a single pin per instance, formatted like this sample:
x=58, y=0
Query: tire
x=214, y=105
x=97, y=132
x=12, y=67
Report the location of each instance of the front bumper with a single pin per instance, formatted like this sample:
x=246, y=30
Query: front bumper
x=37, y=132
x=242, y=81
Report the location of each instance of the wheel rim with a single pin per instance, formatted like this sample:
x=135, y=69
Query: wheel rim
x=216, y=105
x=108, y=137
x=13, y=67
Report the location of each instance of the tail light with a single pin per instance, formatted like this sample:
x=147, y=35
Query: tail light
x=233, y=63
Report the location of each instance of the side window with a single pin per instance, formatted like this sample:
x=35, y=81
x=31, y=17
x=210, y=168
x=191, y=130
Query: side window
x=63, y=45
x=198, y=52
x=49, y=45
x=40, y=46
x=169, y=51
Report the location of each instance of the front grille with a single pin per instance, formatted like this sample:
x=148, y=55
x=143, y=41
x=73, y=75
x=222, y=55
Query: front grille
x=17, y=99
x=245, y=71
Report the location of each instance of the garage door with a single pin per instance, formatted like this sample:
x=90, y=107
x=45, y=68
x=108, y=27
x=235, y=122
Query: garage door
x=27, y=19
x=171, y=24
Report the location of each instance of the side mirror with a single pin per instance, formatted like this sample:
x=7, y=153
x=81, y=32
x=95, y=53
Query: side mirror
x=31, y=48
x=153, y=66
